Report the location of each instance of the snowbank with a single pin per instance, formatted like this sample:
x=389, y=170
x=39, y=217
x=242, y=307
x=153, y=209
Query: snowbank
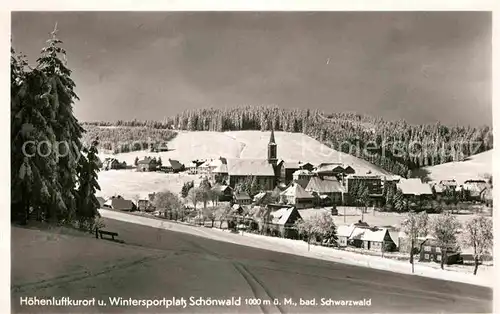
x=483, y=278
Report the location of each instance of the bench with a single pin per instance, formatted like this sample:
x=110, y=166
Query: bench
x=111, y=234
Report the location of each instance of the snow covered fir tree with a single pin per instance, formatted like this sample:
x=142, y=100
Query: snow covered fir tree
x=53, y=176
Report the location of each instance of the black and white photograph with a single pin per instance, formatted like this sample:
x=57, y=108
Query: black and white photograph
x=251, y=161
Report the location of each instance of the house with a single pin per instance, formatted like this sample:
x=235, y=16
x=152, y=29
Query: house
x=431, y=252
x=145, y=205
x=356, y=238
x=306, y=166
x=146, y=164
x=330, y=187
x=119, y=203
x=448, y=184
x=475, y=187
x=344, y=233
x=414, y=188
x=224, y=193
x=172, y=166
x=242, y=198
x=296, y=195
x=220, y=173
x=302, y=174
x=283, y=220
x=113, y=163
x=192, y=167
x=378, y=239
x=264, y=198
x=204, y=168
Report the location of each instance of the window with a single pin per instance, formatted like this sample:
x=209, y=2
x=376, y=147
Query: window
x=426, y=256
x=438, y=257
x=427, y=248
x=438, y=250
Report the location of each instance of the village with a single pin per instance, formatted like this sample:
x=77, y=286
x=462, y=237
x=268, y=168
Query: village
x=272, y=197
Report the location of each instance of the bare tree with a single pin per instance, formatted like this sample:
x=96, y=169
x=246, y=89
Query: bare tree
x=194, y=196
x=167, y=201
x=415, y=225
x=221, y=213
x=317, y=225
x=478, y=234
x=444, y=228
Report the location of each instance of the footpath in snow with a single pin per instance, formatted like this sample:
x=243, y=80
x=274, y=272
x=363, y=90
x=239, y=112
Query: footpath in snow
x=484, y=277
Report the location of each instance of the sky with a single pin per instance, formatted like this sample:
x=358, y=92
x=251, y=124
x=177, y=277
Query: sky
x=419, y=66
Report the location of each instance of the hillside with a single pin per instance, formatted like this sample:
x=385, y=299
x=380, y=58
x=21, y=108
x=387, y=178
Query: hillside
x=472, y=167
x=188, y=146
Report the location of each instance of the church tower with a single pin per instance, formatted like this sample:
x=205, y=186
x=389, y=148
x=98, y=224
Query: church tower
x=272, y=150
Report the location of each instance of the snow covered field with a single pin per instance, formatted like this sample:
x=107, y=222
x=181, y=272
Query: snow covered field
x=485, y=276
x=129, y=183
x=188, y=146
x=471, y=168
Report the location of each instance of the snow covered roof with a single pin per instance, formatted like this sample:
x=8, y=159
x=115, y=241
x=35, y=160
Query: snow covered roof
x=323, y=186
x=357, y=233
x=345, y=230
x=249, y=167
x=374, y=235
x=297, y=191
x=259, y=196
x=414, y=186
x=302, y=172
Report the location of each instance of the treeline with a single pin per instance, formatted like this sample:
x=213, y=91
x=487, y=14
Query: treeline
x=53, y=175
x=133, y=123
x=127, y=139
x=395, y=146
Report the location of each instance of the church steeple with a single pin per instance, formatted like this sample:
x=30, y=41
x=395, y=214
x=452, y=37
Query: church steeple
x=272, y=150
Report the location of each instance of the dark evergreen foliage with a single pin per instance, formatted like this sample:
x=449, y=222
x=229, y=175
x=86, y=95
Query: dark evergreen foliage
x=395, y=146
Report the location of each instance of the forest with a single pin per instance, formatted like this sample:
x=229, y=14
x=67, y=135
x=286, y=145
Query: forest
x=396, y=146
x=127, y=139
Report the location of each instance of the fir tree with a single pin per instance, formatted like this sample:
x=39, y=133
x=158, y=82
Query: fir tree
x=61, y=120
x=88, y=185
x=399, y=201
x=33, y=181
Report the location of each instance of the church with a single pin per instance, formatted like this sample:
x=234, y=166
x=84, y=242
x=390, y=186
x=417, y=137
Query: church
x=266, y=171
